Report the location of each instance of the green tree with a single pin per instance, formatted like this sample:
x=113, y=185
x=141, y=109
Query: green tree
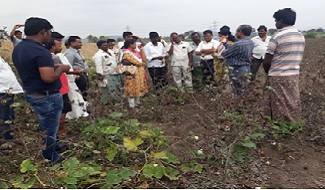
x=271, y=31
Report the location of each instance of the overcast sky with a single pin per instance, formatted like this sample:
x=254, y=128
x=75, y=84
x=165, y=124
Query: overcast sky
x=111, y=17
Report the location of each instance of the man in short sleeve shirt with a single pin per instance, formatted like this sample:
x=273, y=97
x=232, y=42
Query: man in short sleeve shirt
x=40, y=78
x=282, y=63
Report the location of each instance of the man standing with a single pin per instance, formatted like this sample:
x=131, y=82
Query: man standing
x=206, y=49
x=238, y=58
x=55, y=47
x=9, y=86
x=41, y=82
x=282, y=63
x=112, y=49
x=156, y=54
x=260, y=45
x=76, y=100
x=181, y=62
x=128, y=36
x=109, y=80
x=78, y=62
x=197, y=70
x=16, y=35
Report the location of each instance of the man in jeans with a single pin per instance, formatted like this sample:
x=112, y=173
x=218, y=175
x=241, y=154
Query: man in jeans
x=40, y=78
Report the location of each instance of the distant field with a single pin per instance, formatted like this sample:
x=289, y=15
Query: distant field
x=88, y=50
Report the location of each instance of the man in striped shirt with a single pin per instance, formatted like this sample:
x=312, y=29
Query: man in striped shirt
x=282, y=63
x=238, y=58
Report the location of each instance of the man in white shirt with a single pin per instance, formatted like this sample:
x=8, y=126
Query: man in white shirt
x=109, y=80
x=181, y=62
x=156, y=54
x=112, y=50
x=206, y=49
x=9, y=86
x=260, y=45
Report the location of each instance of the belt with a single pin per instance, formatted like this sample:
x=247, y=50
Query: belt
x=206, y=60
x=45, y=93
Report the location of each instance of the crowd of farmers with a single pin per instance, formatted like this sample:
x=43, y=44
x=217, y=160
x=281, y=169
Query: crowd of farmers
x=56, y=83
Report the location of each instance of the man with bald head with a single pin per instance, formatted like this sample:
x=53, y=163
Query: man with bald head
x=238, y=58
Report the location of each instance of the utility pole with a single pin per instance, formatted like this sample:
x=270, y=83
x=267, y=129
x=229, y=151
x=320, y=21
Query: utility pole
x=128, y=28
x=215, y=24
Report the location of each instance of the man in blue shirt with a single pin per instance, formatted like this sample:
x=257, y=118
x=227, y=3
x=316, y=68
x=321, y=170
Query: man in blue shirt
x=40, y=78
x=238, y=58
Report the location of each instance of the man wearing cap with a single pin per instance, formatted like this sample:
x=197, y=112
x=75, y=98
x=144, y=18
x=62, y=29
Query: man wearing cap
x=156, y=54
x=181, y=62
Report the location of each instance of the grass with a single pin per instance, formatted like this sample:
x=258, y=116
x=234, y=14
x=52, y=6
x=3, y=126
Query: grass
x=88, y=50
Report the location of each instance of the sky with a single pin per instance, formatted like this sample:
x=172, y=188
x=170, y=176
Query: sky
x=113, y=17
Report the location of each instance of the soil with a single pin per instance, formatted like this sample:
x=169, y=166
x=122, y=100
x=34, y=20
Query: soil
x=296, y=161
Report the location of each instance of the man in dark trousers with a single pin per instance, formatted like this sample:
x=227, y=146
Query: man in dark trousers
x=40, y=78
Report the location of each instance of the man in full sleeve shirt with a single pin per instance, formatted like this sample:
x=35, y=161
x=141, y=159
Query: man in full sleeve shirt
x=78, y=62
x=238, y=58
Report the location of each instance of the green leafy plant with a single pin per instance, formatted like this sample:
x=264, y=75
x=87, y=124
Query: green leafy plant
x=285, y=128
x=29, y=176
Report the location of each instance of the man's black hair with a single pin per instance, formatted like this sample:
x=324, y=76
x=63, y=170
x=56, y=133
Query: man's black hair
x=262, y=27
x=207, y=32
x=125, y=34
x=100, y=42
x=195, y=33
x=173, y=34
x=128, y=42
x=286, y=16
x=72, y=39
x=110, y=40
x=34, y=25
x=17, y=31
x=50, y=44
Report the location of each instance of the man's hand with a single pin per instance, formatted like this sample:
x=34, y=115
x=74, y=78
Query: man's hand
x=171, y=41
x=190, y=64
x=159, y=58
x=18, y=26
x=100, y=77
x=78, y=71
x=65, y=68
x=208, y=51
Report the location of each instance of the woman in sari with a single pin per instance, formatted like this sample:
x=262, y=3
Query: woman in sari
x=135, y=85
x=219, y=62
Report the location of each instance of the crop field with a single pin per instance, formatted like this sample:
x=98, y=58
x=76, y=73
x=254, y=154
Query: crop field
x=203, y=140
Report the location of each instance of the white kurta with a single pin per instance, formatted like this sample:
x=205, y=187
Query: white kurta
x=76, y=99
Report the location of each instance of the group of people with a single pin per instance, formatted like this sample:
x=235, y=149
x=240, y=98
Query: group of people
x=53, y=81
